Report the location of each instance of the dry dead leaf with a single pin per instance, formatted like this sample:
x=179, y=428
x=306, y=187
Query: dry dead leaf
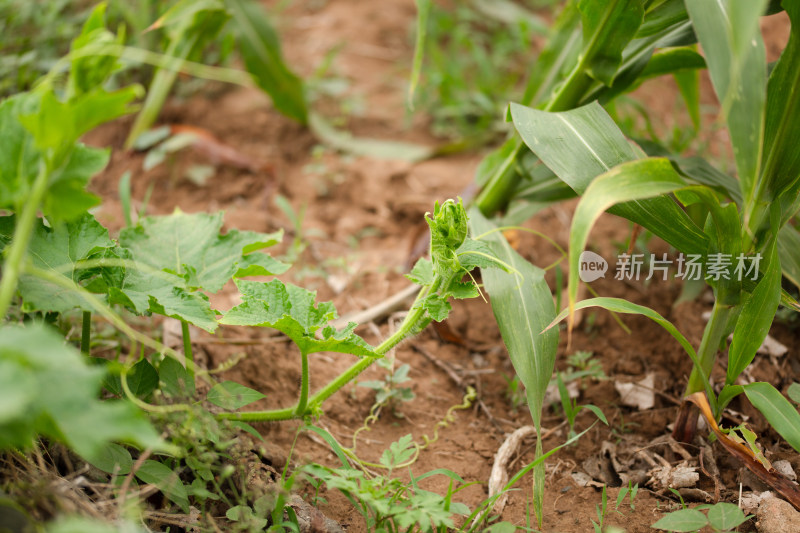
x=637, y=394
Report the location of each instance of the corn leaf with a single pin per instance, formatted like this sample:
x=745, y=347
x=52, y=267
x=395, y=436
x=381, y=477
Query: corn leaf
x=780, y=414
x=756, y=318
x=261, y=51
x=781, y=157
x=789, y=253
x=629, y=181
x=582, y=143
x=671, y=60
x=523, y=306
x=293, y=311
x=731, y=39
x=618, y=305
x=608, y=27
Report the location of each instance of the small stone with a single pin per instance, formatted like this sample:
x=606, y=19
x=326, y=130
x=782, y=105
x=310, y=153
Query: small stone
x=785, y=467
x=777, y=516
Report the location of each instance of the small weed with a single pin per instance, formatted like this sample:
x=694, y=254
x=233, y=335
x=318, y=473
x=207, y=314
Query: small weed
x=387, y=391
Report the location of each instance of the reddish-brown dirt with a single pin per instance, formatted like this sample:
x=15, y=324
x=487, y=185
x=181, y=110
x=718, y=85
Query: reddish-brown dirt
x=361, y=218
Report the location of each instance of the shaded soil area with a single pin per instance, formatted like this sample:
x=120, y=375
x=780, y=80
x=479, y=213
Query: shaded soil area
x=361, y=218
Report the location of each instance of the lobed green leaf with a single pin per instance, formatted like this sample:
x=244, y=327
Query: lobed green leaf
x=293, y=311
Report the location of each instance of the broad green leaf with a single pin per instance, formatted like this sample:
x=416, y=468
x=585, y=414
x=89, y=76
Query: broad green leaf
x=780, y=414
x=755, y=318
x=66, y=197
x=725, y=516
x=56, y=124
x=423, y=13
x=142, y=379
x=368, y=147
x=731, y=39
x=422, y=273
x=782, y=129
x=630, y=181
x=91, y=71
x=231, y=395
x=20, y=162
x=582, y=143
x=166, y=480
x=261, y=51
x=113, y=459
x=190, y=246
x=62, y=402
x=58, y=249
x=523, y=306
x=247, y=428
x=176, y=381
x=608, y=27
x=162, y=293
x=684, y=520
x=293, y=311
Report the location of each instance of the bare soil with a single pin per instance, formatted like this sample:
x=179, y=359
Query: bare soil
x=362, y=217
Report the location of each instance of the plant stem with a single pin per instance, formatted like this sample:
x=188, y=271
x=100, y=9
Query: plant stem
x=86, y=332
x=12, y=267
x=709, y=345
x=415, y=315
x=187, y=347
x=302, y=403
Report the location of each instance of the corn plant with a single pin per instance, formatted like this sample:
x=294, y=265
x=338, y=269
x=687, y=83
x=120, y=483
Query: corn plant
x=739, y=231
